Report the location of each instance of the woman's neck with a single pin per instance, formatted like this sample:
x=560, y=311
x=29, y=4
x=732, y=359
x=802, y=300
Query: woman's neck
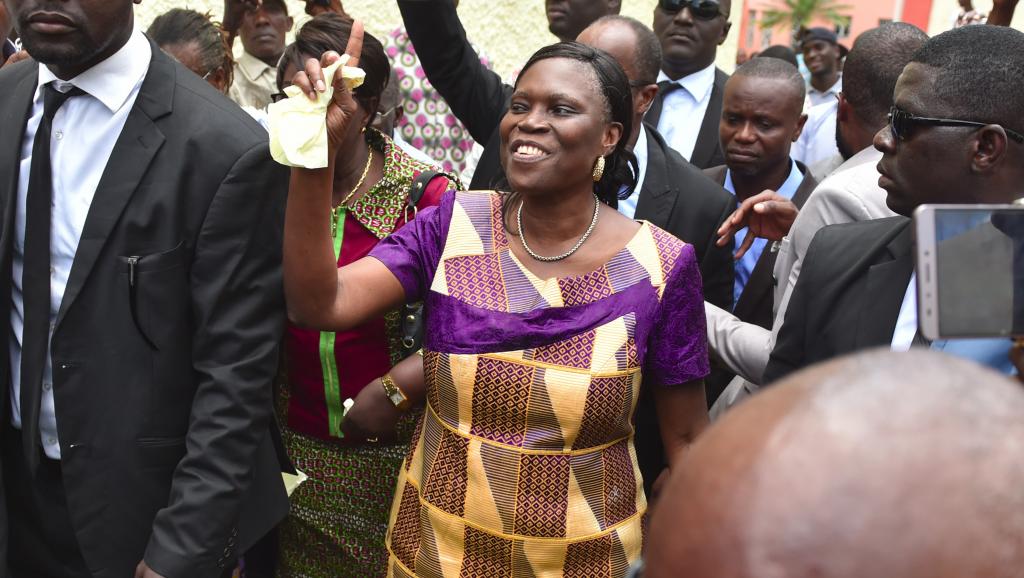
x=349, y=171
x=556, y=218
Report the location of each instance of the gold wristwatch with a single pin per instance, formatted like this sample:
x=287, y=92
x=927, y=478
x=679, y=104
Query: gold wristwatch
x=395, y=394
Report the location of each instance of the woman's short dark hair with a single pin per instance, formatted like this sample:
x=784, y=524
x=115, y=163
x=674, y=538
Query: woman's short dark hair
x=330, y=31
x=621, y=168
x=181, y=27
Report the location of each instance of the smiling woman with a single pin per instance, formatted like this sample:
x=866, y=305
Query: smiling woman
x=545, y=310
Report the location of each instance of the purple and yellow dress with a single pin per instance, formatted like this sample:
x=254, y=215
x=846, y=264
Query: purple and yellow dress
x=523, y=463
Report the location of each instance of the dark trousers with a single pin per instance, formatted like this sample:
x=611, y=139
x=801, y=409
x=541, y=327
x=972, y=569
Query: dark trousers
x=42, y=540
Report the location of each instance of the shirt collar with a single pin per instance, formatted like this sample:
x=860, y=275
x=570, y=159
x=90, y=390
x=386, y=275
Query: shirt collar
x=834, y=89
x=697, y=84
x=788, y=188
x=252, y=68
x=113, y=80
x=640, y=152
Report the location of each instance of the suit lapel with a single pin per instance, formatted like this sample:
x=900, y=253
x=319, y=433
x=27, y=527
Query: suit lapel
x=130, y=159
x=657, y=198
x=883, y=293
x=707, y=139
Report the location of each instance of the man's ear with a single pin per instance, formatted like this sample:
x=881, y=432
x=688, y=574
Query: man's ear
x=647, y=96
x=988, y=148
x=843, y=112
x=291, y=23
x=725, y=33
x=799, y=127
x=614, y=6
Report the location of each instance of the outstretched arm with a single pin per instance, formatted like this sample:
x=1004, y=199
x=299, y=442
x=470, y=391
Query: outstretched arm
x=320, y=295
x=474, y=93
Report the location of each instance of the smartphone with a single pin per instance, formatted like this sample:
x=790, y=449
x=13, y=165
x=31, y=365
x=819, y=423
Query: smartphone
x=970, y=270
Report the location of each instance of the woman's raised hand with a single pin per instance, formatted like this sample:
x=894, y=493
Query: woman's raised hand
x=342, y=108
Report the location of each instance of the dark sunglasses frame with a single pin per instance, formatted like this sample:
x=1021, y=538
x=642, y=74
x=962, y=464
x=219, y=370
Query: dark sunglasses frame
x=701, y=9
x=900, y=120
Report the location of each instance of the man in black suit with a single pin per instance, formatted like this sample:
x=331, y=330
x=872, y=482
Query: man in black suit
x=690, y=87
x=954, y=137
x=762, y=116
x=673, y=194
x=146, y=253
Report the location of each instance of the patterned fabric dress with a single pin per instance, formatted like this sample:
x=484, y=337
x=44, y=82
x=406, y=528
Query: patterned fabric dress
x=523, y=464
x=338, y=518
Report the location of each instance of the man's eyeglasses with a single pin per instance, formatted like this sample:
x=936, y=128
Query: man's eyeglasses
x=701, y=9
x=900, y=122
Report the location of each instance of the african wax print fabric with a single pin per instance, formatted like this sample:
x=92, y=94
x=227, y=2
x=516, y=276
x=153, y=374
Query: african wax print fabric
x=523, y=464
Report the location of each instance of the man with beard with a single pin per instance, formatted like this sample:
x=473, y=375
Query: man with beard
x=689, y=103
x=262, y=27
x=850, y=193
x=954, y=136
x=141, y=247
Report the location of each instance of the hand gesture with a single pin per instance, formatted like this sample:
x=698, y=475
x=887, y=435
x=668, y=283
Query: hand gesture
x=767, y=215
x=342, y=109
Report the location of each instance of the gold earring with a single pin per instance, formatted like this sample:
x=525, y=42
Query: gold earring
x=599, y=169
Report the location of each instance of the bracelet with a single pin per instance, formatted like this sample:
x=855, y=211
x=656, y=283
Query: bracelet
x=395, y=393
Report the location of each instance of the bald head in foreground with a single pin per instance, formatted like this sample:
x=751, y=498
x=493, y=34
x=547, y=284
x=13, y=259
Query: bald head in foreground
x=877, y=465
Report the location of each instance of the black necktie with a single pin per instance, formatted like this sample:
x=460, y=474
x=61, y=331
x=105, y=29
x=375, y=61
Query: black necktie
x=35, y=285
x=664, y=88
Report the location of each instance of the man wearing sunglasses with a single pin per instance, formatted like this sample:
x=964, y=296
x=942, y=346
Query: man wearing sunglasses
x=954, y=136
x=689, y=101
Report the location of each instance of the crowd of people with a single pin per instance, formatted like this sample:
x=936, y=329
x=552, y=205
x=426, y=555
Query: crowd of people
x=626, y=315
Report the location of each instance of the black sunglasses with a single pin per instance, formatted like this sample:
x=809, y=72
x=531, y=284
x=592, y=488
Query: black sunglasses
x=701, y=9
x=900, y=122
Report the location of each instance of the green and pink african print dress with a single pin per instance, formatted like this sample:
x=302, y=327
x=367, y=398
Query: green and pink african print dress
x=523, y=464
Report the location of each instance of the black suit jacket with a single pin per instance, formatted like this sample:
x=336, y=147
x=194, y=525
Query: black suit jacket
x=849, y=294
x=475, y=94
x=680, y=199
x=756, y=303
x=166, y=451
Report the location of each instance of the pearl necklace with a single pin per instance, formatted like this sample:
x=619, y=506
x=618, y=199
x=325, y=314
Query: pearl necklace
x=586, y=235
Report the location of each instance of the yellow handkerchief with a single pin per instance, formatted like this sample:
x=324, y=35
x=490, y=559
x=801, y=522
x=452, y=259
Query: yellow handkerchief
x=298, y=127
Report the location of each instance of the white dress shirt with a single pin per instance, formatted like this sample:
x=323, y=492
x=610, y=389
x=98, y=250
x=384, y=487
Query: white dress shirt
x=682, y=112
x=817, y=142
x=627, y=206
x=906, y=323
x=84, y=132
x=817, y=97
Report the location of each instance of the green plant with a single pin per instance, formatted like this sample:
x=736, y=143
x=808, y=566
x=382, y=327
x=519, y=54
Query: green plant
x=797, y=14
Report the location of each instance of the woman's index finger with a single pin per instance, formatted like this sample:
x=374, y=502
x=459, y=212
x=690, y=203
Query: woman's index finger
x=354, y=49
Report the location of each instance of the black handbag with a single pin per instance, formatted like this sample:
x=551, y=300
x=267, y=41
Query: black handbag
x=411, y=320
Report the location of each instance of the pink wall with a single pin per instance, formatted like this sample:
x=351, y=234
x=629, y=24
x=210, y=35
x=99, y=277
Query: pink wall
x=865, y=14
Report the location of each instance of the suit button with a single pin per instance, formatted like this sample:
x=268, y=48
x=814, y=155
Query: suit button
x=47, y=386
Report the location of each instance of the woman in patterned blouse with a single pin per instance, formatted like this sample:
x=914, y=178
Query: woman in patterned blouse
x=338, y=518
x=545, y=310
